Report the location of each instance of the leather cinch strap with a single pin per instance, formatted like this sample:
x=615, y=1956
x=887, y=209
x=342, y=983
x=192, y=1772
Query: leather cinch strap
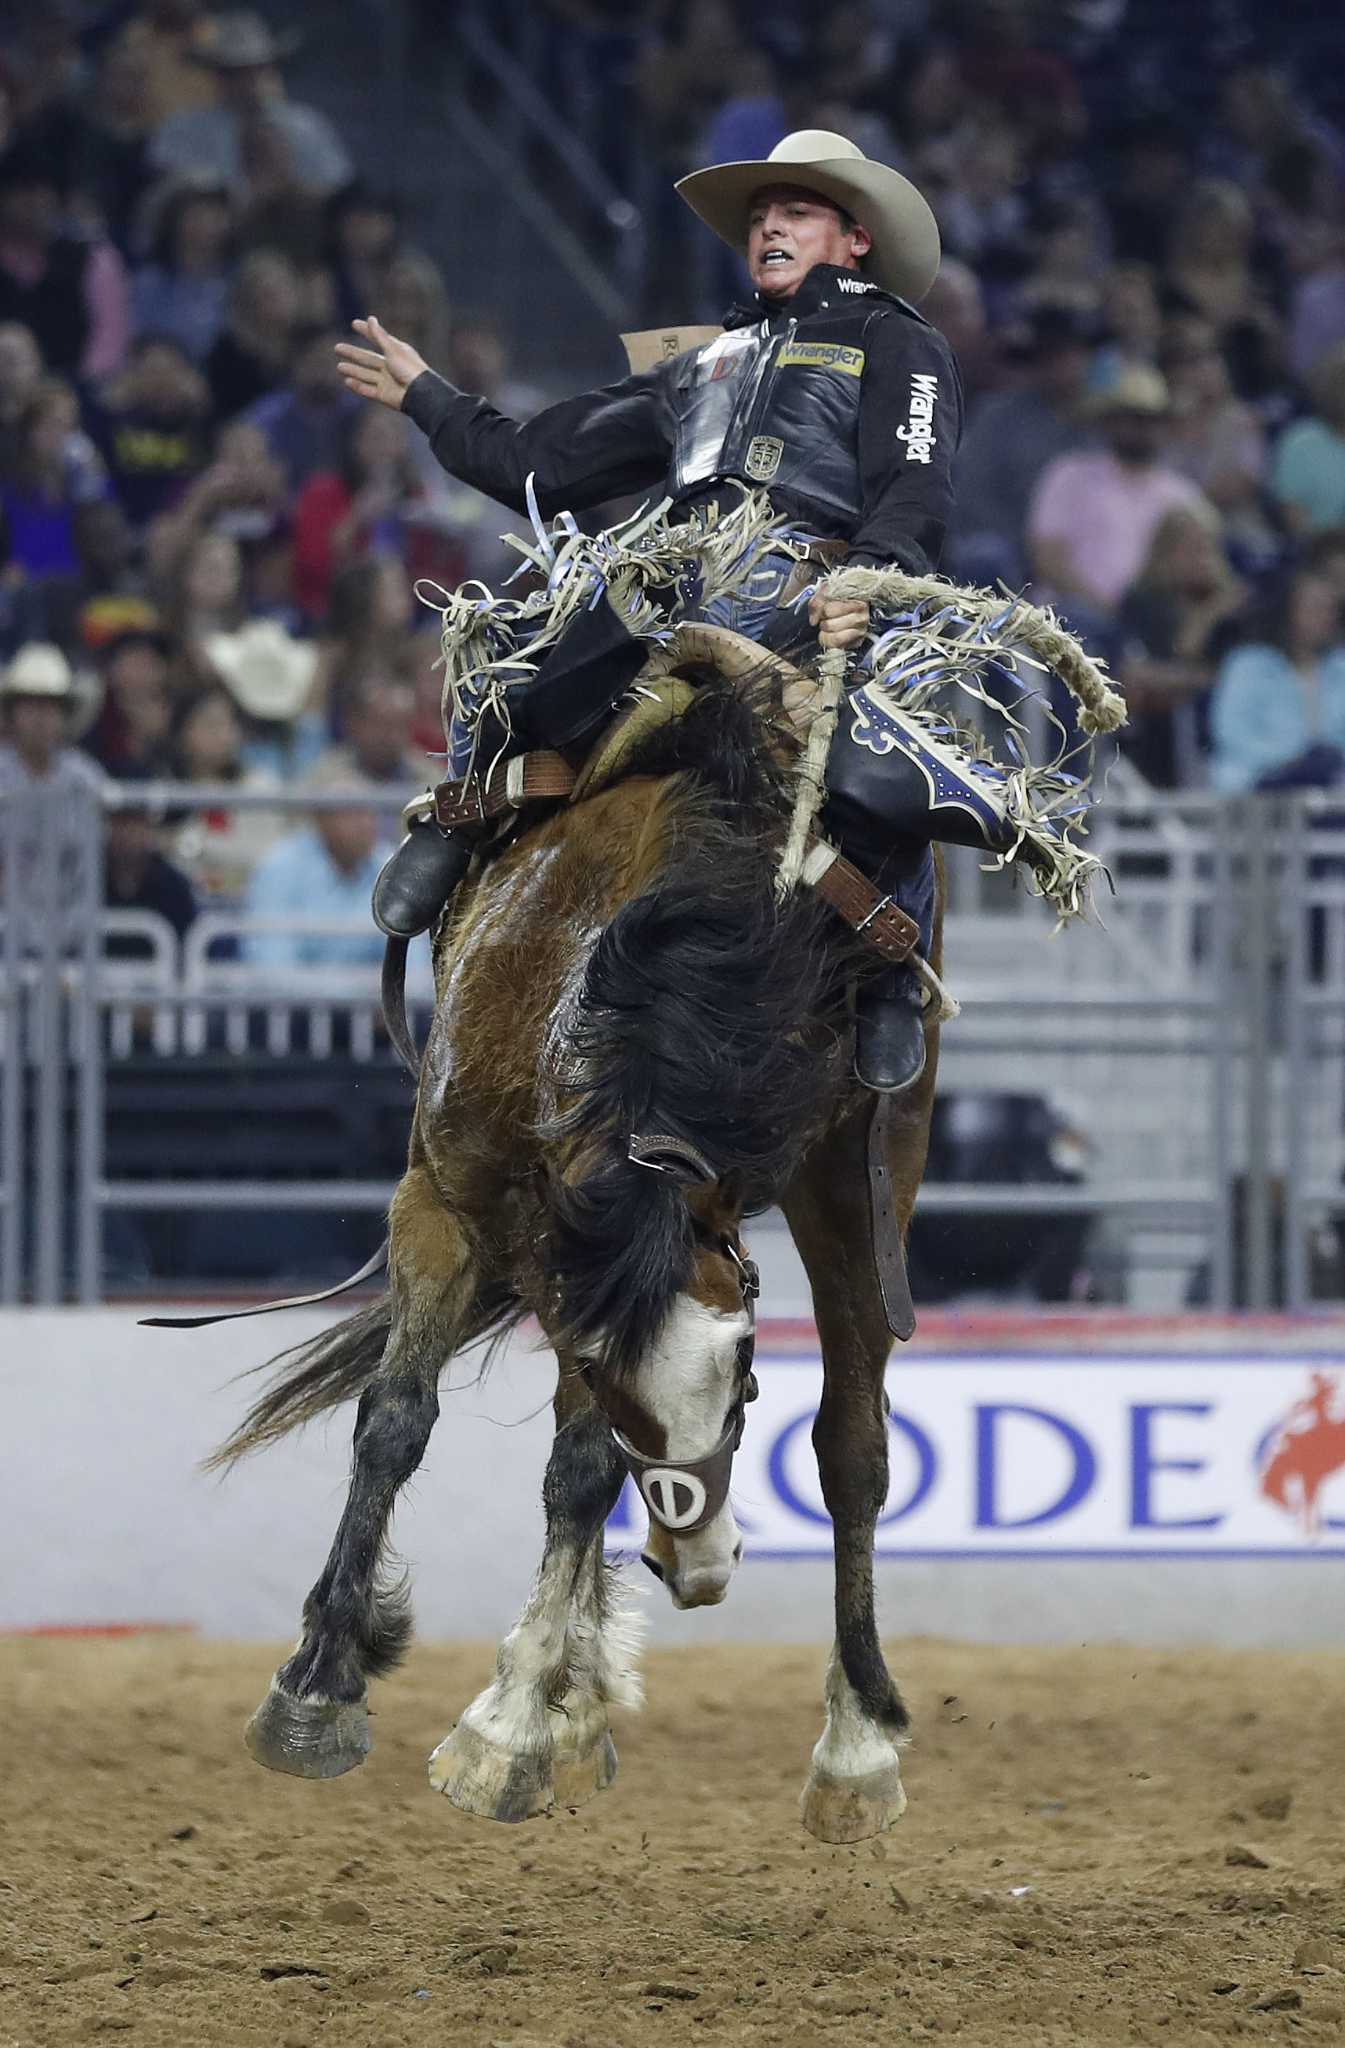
x=525, y=779
x=529, y=778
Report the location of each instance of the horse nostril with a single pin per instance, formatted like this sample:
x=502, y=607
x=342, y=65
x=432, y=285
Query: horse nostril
x=654, y=1566
x=738, y=1551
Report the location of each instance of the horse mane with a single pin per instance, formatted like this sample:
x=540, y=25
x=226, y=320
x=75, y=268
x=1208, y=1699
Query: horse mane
x=706, y=1012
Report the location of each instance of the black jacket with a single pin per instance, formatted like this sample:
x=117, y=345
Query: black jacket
x=844, y=402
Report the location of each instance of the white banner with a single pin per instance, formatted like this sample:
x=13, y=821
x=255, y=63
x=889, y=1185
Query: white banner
x=1020, y=1456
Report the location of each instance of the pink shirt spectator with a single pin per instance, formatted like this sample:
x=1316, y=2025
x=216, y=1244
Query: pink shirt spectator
x=1106, y=513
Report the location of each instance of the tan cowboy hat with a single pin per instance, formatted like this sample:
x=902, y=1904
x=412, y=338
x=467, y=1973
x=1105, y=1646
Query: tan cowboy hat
x=905, y=254
x=1136, y=388
x=244, y=41
x=266, y=671
x=41, y=670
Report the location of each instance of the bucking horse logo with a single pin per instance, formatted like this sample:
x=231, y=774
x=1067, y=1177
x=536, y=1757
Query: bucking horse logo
x=1304, y=1451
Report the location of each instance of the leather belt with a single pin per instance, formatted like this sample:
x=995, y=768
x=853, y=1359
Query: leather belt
x=528, y=777
x=880, y=922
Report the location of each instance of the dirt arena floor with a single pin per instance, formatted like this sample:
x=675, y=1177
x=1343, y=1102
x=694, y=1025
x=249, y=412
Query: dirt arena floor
x=1102, y=1845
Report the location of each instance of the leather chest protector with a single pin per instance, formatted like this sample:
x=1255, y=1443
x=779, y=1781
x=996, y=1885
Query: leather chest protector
x=771, y=406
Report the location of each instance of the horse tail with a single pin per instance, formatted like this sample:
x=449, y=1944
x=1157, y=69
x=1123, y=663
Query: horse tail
x=696, y=1021
x=321, y=1373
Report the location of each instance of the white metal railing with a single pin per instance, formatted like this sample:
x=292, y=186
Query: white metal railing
x=1196, y=1042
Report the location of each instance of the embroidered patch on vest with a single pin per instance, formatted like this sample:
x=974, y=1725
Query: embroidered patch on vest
x=763, y=457
x=823, y=355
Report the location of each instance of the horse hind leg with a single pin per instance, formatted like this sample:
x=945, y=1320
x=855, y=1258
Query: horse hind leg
x=314, y=1721
x=538, y=1735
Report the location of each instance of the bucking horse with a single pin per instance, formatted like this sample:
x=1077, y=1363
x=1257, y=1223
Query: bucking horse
x=640, y=1039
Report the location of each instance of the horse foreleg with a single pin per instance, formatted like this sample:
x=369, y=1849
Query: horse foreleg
x=854, y=1788
x=314, y=1722
x=538, y=1735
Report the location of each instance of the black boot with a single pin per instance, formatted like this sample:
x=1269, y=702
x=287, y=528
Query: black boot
x=890, y=1031
x=417, y=880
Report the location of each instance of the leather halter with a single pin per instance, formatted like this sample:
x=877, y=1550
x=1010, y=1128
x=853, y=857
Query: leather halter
x=683, y=1495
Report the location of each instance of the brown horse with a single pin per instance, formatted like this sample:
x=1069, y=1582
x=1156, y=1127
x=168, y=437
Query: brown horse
x=635, y=1045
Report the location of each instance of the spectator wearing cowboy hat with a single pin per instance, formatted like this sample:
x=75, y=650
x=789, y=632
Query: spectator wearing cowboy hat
x=42, y=704
x=1094, y=514
x=245, y=55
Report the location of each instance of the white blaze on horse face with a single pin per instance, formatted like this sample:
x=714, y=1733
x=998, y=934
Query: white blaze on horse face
x=689, y=1382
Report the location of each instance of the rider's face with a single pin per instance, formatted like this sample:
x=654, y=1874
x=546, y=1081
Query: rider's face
x=789, y=230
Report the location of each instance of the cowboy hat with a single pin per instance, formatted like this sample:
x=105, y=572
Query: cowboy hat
x=266, y=671
x=905, y=254
x=1136, y=388
x=244, y=41
x=41, y=670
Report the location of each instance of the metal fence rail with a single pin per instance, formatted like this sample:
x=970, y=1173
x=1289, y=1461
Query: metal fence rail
x=1195, y=1042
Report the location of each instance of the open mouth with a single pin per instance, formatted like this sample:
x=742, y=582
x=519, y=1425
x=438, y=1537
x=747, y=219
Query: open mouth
x=773, y=258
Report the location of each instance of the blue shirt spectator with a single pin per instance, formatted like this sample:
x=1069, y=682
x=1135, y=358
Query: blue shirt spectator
x=326, y=870
x=1278, y=713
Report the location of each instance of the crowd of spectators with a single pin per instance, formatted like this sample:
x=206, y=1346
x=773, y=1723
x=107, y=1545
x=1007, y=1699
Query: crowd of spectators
x=1144, y=280
x=208, y=550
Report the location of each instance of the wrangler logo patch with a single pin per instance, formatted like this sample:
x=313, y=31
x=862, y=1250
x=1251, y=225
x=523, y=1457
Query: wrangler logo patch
x=918, y=433
x=823, y=355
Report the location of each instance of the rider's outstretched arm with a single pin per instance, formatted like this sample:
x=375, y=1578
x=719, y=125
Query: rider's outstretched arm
x=600, y=444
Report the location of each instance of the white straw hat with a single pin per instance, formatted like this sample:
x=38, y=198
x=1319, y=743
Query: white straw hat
x=41, y=670
x=905, y=254
x=266, y=671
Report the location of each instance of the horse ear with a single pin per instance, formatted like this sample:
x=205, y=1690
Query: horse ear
x=663, y=1153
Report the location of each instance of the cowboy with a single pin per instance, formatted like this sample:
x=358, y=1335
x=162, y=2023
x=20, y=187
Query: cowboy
x=830, y=391
x=42, y=703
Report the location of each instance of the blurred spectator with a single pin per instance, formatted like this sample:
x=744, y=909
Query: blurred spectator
x=1307, y=475
x=71, y=293
x=41, y=705
x=307, y=423
x=242, y=497
x=1094, y=514
x=130, y=738
x=109, y=168
x=427, y=672
x=152, y=424
x=981, y=214
x=355, y=509
x=206, y=594
x=955, y=304
x=218, y=847
x=1218, y=440
x=377, y=748
x=365, y=633
x=253, y=352
x=1278, y=713
x=106, y=592
x=245, y=57
x=1173, y=622
x=170, y=36
x=137, y=875
x=326, y=870
x=413, y=292
x=183, y=290
x=269, y=674
x=1012, y=436
x=21, y=373
x=54, y=468
x=1317, y=308
x=1129, y=320
x=1068, y=266
x=1210, y=269
x=363, y=228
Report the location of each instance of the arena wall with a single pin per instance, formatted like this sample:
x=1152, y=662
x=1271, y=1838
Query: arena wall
x=1060, y=1479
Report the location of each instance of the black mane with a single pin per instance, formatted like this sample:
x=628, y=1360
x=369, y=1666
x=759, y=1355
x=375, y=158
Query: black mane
x=707, y=1012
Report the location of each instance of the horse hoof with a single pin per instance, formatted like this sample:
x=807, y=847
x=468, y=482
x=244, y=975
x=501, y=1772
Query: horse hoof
x=476, y=1777
x=576, y=1780
x=308, y=1738
x=852, y=1809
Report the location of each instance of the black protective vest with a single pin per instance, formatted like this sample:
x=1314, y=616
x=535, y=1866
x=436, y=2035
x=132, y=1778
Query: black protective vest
x=777, y=403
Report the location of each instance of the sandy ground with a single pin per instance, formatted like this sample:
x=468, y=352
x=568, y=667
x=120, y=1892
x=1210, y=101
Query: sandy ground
x=1102, y=1845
